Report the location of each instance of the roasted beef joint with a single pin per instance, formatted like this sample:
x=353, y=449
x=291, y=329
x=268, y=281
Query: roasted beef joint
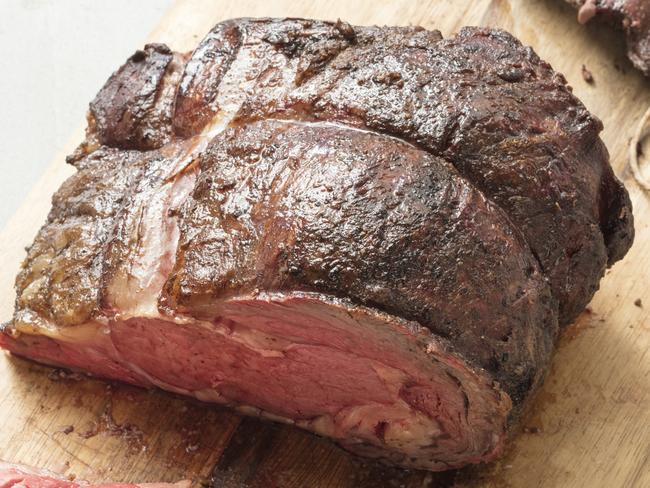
x=630, y=16
x=371, y=233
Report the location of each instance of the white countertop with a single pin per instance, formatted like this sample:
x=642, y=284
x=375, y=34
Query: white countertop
x=56, y=54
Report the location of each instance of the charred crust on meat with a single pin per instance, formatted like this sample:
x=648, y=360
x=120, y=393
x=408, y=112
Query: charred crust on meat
x=346, y=30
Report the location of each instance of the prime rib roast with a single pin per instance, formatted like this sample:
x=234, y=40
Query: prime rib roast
x=630, y=16
x=18, y=476
x=372, y=233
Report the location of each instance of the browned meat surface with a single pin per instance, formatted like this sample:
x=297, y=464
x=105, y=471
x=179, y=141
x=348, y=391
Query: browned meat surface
x=371, y=233
x=17, y=476
x=630, y=16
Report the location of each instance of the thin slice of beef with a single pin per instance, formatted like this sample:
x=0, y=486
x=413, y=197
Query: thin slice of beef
x=370, y=233
x=19, y=476
x=630, y=16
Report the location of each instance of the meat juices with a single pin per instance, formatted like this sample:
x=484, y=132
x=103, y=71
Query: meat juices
x=371, y=233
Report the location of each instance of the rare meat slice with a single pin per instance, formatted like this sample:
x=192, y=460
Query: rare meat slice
x=630, y=16
x=369, y=233
x=18, y=476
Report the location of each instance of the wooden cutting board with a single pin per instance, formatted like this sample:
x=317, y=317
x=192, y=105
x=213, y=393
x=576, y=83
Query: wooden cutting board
x=590, y=425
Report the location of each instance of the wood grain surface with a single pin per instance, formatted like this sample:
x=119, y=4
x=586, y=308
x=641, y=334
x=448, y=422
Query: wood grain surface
x=589, y=427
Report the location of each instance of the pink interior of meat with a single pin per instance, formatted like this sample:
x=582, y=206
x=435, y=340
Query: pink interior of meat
x=17, y=479
x=347, y=373
x=12, y=477
x=18, y=476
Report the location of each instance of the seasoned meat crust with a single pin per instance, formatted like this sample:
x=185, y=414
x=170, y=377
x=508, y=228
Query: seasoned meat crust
x=480, y=100
x=630, y=16
x=371, y=233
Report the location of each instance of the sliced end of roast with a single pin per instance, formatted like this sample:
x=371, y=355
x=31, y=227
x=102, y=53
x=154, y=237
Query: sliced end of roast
x=20, y=476
x=381, y=386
